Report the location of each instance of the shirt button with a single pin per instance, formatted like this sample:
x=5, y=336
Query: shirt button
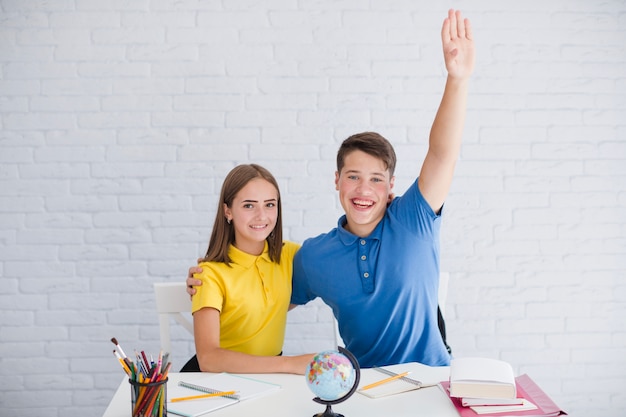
x=366, y=275
x=363, y=242
x=363, y=257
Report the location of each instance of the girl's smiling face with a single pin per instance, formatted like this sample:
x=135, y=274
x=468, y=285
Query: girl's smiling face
x=253, y=213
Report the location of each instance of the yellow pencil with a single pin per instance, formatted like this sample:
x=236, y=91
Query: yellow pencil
x=384, y=381
x=197, y=397
x=122, y=362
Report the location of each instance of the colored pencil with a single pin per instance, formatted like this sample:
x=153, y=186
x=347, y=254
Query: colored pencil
x=197, y=397
x=384, y=381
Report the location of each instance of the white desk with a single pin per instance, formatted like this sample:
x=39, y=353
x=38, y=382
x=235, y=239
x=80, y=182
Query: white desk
x=295, y=398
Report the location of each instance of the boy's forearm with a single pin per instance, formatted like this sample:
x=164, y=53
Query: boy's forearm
x=447, y=129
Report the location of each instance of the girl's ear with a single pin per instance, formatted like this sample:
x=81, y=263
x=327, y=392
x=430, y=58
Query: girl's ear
x=228, y=213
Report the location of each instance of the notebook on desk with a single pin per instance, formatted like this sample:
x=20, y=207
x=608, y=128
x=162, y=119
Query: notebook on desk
x=245, y=388
x=395, y=383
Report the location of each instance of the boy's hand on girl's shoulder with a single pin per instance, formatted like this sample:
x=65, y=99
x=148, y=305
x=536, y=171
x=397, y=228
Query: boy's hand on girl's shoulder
x=191, y=281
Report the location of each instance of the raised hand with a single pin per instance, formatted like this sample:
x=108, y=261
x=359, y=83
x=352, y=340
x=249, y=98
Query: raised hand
x=458, y=45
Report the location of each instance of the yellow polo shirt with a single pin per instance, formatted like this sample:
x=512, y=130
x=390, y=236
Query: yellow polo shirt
x=252, y=295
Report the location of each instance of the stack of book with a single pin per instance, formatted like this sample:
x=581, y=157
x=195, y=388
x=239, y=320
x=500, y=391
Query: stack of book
x=488, y=387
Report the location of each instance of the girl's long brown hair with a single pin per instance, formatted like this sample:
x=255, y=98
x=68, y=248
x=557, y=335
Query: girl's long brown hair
x=223, y=233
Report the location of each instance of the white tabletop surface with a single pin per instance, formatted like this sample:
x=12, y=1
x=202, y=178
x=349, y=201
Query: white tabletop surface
x=295, y=398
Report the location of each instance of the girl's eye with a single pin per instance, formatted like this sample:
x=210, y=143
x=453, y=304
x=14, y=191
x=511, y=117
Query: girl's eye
x=247, y=206
x=271, y=205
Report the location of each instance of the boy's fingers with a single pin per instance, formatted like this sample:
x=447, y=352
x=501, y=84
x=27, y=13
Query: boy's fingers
x=468, y=30
x=453, y=24
x=445, y=31
x=460, y=24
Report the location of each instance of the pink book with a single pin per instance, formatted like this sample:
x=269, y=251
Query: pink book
x=527, y=389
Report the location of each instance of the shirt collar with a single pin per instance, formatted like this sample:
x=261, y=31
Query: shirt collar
x=348, y=238
x=245, y=259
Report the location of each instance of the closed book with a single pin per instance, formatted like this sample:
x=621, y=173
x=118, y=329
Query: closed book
x=472, y=402
x=527, y=389
x=481, y=378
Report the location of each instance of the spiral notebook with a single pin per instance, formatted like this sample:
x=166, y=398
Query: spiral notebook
x=395, y=386
x=245, y=388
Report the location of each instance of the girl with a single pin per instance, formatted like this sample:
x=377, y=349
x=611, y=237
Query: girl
x=240, y=310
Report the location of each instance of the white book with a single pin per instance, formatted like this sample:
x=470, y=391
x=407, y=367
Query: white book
x=469, y=402
x=481, y=378
x=492, y=409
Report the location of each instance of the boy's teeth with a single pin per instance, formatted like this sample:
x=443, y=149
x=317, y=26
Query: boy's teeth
x=362, y=203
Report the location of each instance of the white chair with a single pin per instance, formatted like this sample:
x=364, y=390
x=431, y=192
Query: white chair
x=444, y=278
x=172, y=301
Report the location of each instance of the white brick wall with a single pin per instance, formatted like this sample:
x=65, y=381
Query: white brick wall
x=119, y=120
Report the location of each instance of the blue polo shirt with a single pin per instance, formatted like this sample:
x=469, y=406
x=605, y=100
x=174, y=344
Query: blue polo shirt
x=382, y=288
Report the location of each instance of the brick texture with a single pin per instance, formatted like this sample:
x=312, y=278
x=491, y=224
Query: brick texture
x=119, y=120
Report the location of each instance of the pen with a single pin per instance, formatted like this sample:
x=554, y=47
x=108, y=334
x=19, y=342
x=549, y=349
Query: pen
x=384, y=381
x=196, y=397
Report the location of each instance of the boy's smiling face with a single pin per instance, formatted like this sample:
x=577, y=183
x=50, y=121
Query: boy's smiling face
x=364, y=186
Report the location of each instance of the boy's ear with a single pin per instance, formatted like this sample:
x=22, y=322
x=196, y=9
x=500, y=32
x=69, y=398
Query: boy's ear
x=391, y=194
x=337, y=180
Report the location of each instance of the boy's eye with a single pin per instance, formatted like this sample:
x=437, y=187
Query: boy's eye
x=353, y=177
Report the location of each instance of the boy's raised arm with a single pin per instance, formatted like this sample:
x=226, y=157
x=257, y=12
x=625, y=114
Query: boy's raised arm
x=445, y=136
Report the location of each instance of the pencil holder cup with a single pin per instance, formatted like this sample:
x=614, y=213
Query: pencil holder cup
x=148, y=398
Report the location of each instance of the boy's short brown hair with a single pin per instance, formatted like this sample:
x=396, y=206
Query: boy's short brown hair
x=372, y=144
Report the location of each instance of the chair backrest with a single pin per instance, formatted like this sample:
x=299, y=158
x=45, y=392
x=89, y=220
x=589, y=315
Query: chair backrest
x=444, y=278
x=172, y=301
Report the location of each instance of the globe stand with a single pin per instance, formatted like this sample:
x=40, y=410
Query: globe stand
x=329, y=411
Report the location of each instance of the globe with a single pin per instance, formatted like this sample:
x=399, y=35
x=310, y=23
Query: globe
x=330, y=375
x=333, y=375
